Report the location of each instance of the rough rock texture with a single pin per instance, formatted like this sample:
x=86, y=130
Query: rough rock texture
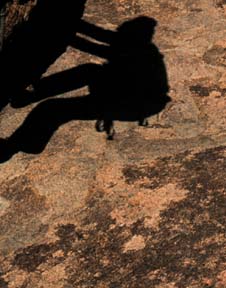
x=16, y=13
x=145, y=210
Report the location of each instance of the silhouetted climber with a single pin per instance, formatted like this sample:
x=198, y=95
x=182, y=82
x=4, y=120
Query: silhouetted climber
x=134, y=81
x=130, y=86
x=82, y=75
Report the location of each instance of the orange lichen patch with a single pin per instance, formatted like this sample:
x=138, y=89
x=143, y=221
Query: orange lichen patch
x=157, y=132
x=137, y=242
x=155, y=274
x=211, y=262
x=215, y=93
x=222, y=81
x=120, y=217
x=216, y=120
x=216, y=103
x=127, y=215
x=208, y=282
x=148, y=204
x=217, y=238
x=221, y=280
x=188, y=262
x=54, y=277
x=221, y=42
x=43, y=168
x=105, y=261
x=110, y=176
x=16, y=278
x=167, y=285
x=59, y=253
x=156, y=201
x=4, y=204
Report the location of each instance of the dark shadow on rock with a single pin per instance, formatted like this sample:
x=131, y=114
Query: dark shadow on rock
x=131, y=86
x=36, y=44
x=35, y=132
x=24, y=61
x=133, y=79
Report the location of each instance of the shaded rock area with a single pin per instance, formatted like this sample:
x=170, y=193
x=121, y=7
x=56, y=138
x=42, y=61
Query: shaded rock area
x=16, y=12
x=147, y=209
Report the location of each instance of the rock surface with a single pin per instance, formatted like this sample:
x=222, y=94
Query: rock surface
x=16, y=12
x=145, y=210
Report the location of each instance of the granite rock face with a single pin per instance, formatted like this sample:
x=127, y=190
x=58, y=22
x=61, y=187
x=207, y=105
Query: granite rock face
x=144, y=210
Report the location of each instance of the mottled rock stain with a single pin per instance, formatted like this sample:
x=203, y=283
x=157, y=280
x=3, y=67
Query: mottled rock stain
x=188, y=237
